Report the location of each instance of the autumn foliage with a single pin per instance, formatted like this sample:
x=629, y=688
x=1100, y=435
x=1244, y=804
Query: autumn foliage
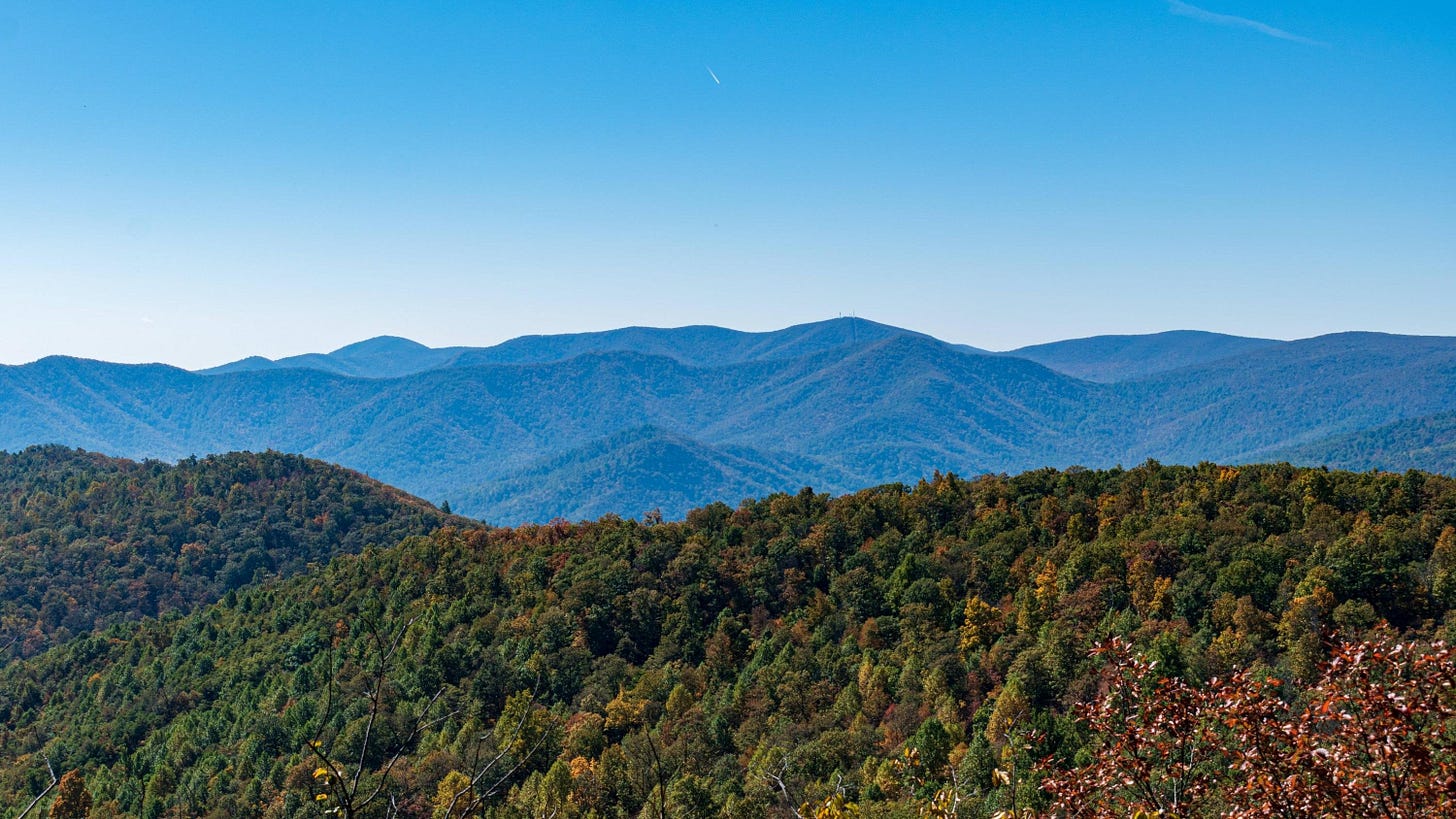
x=1375, y=735
x=905, y=651
x=73, y=801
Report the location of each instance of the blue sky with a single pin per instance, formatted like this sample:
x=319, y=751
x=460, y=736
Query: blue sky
x=196, y=182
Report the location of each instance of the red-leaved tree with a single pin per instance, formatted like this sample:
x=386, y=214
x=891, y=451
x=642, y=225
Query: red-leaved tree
x=1375, y=736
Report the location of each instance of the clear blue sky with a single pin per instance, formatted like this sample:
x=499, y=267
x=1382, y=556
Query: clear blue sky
x=195, y=182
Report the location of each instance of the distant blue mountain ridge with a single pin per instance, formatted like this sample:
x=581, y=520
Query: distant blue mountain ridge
x=631, y=420
x=704, y=346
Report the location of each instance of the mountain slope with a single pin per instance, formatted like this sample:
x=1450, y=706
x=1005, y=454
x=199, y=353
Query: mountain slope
x=1247, y=407
x=119, y=408
x=965, y=412
x=1109, y=359
x=888, y=411
x=1417, y=443
x=882, y=411
x=648, y=468
x=87, y=540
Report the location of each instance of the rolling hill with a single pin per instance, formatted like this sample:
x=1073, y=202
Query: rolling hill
x=88, y=540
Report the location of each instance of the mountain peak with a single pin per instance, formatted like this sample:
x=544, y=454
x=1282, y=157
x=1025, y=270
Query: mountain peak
x=379, y=345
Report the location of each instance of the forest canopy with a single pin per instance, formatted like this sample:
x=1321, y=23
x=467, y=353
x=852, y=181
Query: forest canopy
x=87, y=540
x=900, y=650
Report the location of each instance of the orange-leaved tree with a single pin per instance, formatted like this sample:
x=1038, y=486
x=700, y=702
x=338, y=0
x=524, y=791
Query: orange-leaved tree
x=73, y=801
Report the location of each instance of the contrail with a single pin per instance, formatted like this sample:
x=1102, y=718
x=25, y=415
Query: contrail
x=1186, y=10
x=714, y=76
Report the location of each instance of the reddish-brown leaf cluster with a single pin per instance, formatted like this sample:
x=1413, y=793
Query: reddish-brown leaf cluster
x=1375, y=735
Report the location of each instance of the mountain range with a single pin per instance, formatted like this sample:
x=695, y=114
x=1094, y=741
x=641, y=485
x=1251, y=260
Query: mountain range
x=637, y=419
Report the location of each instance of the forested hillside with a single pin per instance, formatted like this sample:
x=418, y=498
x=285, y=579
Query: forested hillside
x=620, y=471
x=87, y=540
x=1429, y=441
x=876, y=649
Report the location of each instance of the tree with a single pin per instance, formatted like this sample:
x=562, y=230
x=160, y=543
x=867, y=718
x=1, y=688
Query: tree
x=73, y=801
x=1374, y=736
x=1377, y=737
x=358, y=760
x=521, y=736
x=350, y=787
x=1152, y=745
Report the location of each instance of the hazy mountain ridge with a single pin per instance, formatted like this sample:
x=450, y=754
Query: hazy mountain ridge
x=1253, y=405
x=379, y=357
x=694, y=345
x=840, y=404
x=1110, y=359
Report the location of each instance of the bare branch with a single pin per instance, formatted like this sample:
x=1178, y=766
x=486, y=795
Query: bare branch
x=783, y=786
x=48, y=789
